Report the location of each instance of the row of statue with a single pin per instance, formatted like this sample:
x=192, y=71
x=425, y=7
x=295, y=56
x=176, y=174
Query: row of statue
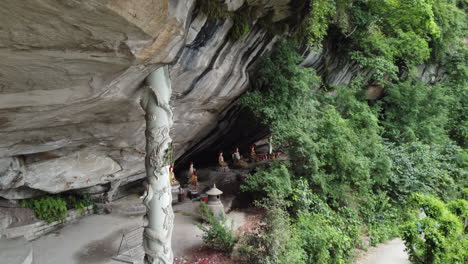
x=238, y=161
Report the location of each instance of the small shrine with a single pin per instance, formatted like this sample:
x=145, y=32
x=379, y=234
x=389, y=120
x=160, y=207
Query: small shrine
x=214, y=202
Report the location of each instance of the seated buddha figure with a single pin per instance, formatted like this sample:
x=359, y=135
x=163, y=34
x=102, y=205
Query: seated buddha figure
x=174, y=182
x=221, y=161
x=237, y=159
x=253, y=154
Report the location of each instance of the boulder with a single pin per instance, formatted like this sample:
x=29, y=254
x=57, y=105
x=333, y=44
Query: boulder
x=81, y=169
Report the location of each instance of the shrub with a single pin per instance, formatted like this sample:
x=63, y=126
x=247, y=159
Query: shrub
x=216, y=234
x=381, y=217
x=275, y=240
x=436, y=236
x=52, y=208
x=274, y=181
x=415, y=111
x=427, y=169
x=327, y=236
x=78, y=201
x=47, y=208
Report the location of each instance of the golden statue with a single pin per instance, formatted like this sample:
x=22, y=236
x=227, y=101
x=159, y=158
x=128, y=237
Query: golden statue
x=253, y=154
x=172, y=178
x=194, y=179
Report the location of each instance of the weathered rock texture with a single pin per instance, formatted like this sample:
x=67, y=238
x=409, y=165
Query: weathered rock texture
x=70, y=85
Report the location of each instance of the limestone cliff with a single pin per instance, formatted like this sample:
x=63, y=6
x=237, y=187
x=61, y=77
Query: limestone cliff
x=70, y=79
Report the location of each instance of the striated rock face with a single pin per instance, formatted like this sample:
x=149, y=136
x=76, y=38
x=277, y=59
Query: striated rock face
x=70, y=78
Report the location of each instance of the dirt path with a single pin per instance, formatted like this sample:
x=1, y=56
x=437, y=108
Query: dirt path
x=392, y=252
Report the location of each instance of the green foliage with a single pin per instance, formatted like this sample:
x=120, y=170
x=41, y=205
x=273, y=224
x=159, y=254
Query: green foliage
x=216, y=234
x=47, y=208
x=54, y=208
x=79, y=202
x=381, y=217
x=460, y=208
x=421, y=168
x=213, y=9
x=456, y=85
x=275, y=241
x=314, y=27
x=346, y=154
x=243, y=20
x=282, y=94
x=332, y=140
x=274, y=181
x=302, y=197
x=327, y=236
x=435, y=237
x=415, y=111
x=385, y=37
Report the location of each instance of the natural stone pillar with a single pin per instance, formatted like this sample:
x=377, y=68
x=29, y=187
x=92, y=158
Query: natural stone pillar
x=159, y=219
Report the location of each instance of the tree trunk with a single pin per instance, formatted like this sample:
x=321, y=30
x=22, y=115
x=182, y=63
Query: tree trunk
x=159, y=218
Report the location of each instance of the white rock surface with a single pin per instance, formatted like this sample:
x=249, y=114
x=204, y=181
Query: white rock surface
x=70, y=78
x=78, y=170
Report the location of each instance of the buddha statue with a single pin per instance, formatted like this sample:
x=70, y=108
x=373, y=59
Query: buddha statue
x=237, y=159
x=253, y=154
x=191, y=170
x=174, y=182
x=221, y=161
x=193, y=188
x=194, y=179
x=222, y=165
x=236, y=155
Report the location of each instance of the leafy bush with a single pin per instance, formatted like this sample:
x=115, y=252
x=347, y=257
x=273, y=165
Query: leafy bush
x=435, y=237
x=275, y=241
x=460, y=208
x=47, y=208
x=415, y=111
x=381, y=217
x=78, y=201
x=327, y=236
x=52, y=208
x=425, y=169
x=273, y=181
x=216, y=234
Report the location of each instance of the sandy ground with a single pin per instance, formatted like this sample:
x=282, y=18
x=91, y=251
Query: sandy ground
x=95, y=239
x=392, y=252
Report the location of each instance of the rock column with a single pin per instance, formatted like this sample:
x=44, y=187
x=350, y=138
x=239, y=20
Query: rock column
x=159, y=219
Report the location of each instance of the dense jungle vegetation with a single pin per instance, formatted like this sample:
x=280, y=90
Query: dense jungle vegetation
x=396, y=166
